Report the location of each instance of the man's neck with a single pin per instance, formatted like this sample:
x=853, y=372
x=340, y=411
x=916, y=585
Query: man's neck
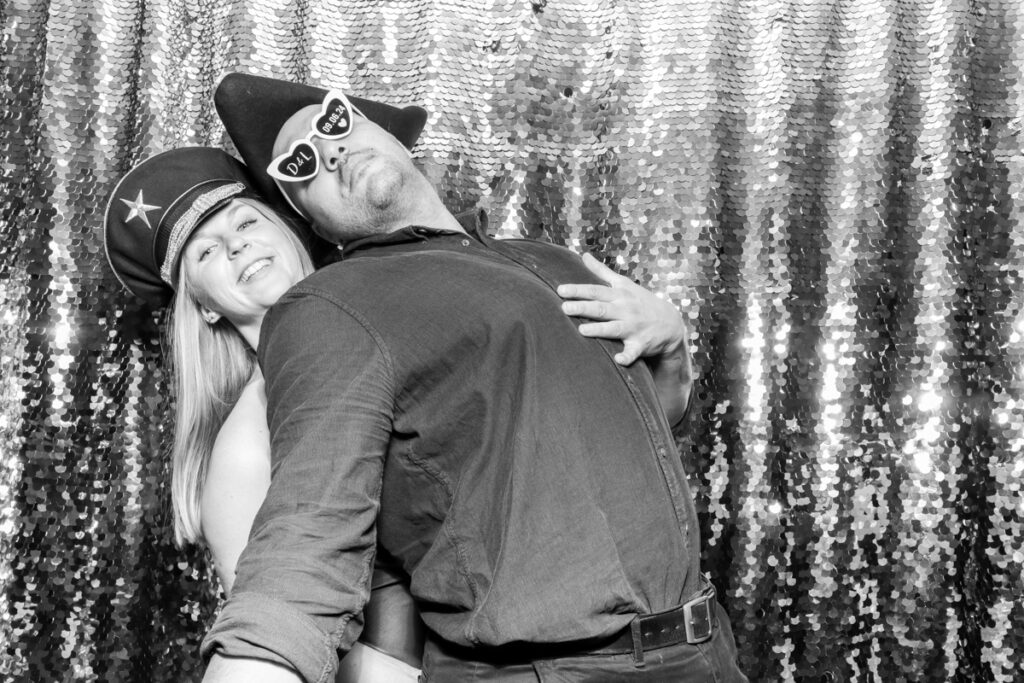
x=418, y=204
x=437, y=219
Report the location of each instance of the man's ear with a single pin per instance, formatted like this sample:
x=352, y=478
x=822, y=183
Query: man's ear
x=209, y=316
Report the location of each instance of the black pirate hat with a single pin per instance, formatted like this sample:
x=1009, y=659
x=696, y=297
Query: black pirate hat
x=157, y=205
x=254, y=108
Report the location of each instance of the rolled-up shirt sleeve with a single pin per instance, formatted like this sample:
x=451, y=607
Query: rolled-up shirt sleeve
x=304, y=576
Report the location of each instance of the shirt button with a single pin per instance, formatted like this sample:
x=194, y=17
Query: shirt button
x=465, y=243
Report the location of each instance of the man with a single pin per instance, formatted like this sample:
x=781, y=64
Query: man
x=526, y=481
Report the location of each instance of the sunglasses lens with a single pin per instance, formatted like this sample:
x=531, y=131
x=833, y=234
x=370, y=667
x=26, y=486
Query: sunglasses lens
x=299, y=164
x=335, y=118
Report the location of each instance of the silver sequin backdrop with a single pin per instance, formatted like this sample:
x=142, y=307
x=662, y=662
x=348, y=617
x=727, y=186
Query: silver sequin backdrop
x=828, y=189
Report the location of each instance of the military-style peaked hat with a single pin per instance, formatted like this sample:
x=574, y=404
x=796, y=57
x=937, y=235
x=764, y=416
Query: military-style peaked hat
x=157, y=205
x=254, y=108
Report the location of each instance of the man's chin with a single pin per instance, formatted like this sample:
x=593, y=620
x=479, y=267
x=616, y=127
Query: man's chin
x=384, y=188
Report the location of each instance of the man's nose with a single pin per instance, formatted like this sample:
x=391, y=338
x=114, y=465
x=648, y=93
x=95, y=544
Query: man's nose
x=333, y=154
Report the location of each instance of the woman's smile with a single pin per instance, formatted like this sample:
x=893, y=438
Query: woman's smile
x=254, y=268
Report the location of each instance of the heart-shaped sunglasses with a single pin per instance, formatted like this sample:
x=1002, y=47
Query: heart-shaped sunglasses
x=302, y=161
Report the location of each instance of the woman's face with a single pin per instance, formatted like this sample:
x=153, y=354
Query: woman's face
x=240, y=261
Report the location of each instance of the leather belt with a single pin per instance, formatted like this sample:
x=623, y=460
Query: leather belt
x=692, y=622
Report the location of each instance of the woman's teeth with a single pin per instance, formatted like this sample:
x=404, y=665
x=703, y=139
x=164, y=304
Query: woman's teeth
x=254, y=268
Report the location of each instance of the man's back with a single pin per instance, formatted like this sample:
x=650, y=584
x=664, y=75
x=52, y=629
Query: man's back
x=528, y=483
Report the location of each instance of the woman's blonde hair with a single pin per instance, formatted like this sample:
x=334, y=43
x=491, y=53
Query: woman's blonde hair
x=211, y=364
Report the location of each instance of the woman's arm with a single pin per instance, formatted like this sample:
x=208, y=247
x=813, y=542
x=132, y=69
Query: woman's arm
x=649, y=327
x=236, y=484
x=236, y=481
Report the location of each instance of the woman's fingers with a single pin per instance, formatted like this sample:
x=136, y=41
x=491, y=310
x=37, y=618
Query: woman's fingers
x=646, y=324
x=631, y=351
x=595, y=310
x=582, y=291
x=616, y=285
x=607, y=330
x=599, y=269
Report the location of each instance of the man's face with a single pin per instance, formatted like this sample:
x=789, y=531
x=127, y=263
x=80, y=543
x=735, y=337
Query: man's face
x=359, y=184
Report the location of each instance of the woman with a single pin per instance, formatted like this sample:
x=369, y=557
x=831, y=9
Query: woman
x=168, y=223
x=187, y=222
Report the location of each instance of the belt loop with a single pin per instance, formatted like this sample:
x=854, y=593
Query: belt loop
x=714, y=599
x=638, y=644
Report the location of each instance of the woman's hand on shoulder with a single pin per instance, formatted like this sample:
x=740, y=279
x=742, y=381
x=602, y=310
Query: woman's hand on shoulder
x=621, y=309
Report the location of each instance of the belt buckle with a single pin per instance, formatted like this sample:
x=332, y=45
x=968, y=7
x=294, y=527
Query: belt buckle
x=697, y=618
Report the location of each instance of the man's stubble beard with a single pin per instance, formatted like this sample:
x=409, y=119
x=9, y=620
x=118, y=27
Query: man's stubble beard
x=384, y=205
x=384, y=190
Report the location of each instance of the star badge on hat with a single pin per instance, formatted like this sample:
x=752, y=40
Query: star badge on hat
x=157, y=205
x=139, y=209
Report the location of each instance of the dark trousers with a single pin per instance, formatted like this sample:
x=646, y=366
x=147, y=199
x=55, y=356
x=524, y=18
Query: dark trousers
x=713, y=661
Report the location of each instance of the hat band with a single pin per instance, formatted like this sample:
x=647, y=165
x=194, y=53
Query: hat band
x=186, y=223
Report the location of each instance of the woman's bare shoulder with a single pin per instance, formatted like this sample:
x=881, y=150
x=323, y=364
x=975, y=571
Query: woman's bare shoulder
x=241, y=452
x=237, y=478
x=245, y=426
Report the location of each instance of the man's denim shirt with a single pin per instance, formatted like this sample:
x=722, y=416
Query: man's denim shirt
x=528, y=484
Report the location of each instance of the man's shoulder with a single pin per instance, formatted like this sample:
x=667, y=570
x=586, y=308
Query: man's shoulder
x=560, y=260
x=541, y=249
x=328, y=293
x=534, y=244
x=327, y=277
x=329, y=285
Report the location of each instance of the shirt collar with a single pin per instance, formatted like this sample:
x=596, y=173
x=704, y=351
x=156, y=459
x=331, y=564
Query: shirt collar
x=474, y=222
